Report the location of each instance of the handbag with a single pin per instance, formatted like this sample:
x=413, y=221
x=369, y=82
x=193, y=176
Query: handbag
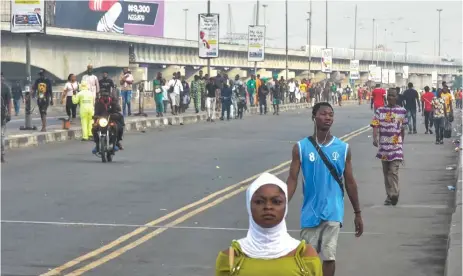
x=328, y=164
x=171, y=89
x=447, y=128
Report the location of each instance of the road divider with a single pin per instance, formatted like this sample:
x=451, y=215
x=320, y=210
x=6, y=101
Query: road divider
x=185, y=213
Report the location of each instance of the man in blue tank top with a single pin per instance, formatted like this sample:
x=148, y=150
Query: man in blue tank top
x=323, y=205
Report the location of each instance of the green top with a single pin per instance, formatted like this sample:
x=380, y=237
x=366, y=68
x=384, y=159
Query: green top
x=251, y=86
x=297, y=265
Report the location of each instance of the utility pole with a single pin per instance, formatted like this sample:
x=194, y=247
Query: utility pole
x=286, y=16
x=373, y=42
x=209, y=60
x=186, y=25
x=310, y=37
x=385, y=48
x=28, y=114
x=439, y=11
x=406, y=47
x=257, y=24
x=326, y=24
x=355, y=31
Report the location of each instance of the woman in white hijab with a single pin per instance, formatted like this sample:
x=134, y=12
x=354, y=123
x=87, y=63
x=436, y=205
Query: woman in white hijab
x=268, y=249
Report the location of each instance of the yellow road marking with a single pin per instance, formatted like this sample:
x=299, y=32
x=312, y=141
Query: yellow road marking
x=96, y=252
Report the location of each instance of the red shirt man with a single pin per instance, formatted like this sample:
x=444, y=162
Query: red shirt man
x=378, y=95
x=427, y=100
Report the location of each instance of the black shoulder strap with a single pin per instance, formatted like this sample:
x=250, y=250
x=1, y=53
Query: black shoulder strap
x=328, y=164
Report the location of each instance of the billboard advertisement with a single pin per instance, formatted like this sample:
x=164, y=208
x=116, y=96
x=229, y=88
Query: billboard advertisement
x=256, y=43
x=405, y=72
x=134, y=17
x=354, y=69
x=327, y=60
x=385, y=76
x=208, y=35
x=391, y=76
x=378, y=73
x=27, y=16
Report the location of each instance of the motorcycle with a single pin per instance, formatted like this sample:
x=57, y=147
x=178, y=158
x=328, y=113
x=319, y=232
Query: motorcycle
x=107, y=135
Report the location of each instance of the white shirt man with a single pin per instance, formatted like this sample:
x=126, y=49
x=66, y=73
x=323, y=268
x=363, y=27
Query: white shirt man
x=175, y=86
x=292, y=87
x=92, y=82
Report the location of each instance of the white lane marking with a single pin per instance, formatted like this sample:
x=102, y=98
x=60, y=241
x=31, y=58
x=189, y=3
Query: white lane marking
x=412, y=206
x=91, y=224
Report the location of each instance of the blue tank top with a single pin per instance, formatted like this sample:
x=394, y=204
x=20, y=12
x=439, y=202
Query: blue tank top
x=323, y=197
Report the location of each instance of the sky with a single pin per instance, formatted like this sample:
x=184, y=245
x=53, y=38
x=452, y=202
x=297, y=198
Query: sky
x=398, y=21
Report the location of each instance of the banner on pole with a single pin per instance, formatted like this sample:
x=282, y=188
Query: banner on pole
x=354, y=69
x=392, y=77
x=27, y=16
x=377, y=78
x=434, y=77
x=256, y=43
x=208, y=35
x=405, y=72
x=371, y=72
x=385, y=76
x=327, y=60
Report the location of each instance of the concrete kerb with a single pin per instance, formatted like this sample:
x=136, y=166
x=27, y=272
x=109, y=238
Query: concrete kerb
x=453, y=264
x=136, y=124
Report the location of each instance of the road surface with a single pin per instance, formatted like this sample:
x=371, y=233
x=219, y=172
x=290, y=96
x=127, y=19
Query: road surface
x=46, y=190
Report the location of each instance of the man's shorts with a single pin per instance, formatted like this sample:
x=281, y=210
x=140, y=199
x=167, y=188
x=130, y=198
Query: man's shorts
x=42, y=105
x=324, y=238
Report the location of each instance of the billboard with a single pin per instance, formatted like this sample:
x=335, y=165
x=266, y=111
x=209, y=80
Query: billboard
x=385, y=76
x=134, y=17
x=354, y=69
x=405, y=72
x=327, y=60
x=208, y=35
x=391, y=76
x=377, y=75
x=256, y=43
x=27, y=16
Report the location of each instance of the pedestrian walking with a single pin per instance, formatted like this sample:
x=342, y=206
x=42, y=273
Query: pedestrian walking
x=426, y=101
x=412, y=99
x=389, y=123
x=378, y=96
x=84, y=98
x=196, y=92
x=126, y=81
x=6, y=114
x=184, y=95
x=226, y=96
x=268, y=249
x=211, y=88
x=92, y=81
x=42, y=89
x=70, y=87
x=325, y=161
x=440, y=114
x=262, y=95
x=175, y=88
x=18, y=97
x=276, y=91
x=202, y=88
x=158, y=95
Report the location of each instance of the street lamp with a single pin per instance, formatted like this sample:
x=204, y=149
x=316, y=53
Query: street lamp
x=186, y=25
x=406, y=47
x=439, y=11
x=265, y=14
x=310, y=36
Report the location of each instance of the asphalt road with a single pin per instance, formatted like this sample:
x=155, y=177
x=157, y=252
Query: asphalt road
x=46, y=188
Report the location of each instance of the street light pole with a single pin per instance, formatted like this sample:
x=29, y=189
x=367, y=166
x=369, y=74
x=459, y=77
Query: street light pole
x=373, y=42
x=326, y=24
x=265, y=14
x=286, y=16
x=406, y=47
x=439, y=11
x=186, y=25
x=28, y=114
x=310, y=37
x=355, y=31
x=257, y=24
x=209, y=60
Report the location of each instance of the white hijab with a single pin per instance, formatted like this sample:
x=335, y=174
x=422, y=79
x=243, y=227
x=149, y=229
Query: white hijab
x=267, y=243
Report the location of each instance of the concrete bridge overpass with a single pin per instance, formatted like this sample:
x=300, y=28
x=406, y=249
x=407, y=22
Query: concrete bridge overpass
x=62, y=51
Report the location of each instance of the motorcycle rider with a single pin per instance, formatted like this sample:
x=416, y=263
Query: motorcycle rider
x=108, y=106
